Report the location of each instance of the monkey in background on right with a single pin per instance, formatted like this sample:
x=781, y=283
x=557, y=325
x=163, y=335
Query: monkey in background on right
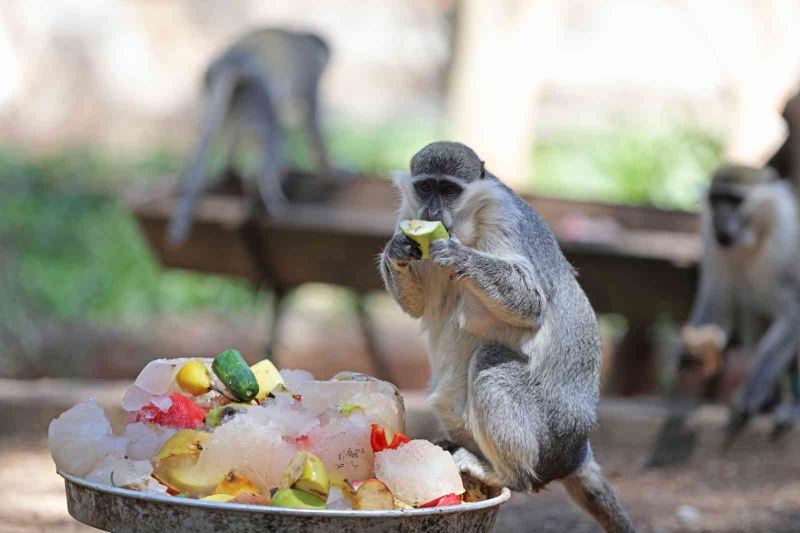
x=750, y=286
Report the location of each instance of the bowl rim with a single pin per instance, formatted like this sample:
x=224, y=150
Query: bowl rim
x=498, y=500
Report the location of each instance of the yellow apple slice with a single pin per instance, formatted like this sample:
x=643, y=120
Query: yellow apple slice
x=373, y=495
x=307, y=473
x=268, y=378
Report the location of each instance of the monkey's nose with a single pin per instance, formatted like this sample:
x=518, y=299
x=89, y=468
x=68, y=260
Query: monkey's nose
x=723, y=238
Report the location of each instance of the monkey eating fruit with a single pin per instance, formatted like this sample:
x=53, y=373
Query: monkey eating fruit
x=514, y=345
x=423, y=232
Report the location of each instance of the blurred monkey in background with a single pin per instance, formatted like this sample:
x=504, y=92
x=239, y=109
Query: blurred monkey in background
x=263, y=85
x=750, y=285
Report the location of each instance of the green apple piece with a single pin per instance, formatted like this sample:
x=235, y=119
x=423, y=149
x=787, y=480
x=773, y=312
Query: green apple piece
x=215, y=416
x=296, y=499
x=423, y=232
x=307, y=473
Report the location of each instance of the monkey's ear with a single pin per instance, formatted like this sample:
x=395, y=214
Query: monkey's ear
x=483, y=169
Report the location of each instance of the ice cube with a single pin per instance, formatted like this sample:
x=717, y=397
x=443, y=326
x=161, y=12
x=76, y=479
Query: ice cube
x=376, y=398
x=135, y=398
x=418, y=472
x=248, y=446
x=294, y=378
x=122, y=473
x=144, y=440
x=289, y=416
x=162, y=402
x=338, y=500
x=158, y=376
x=81, y=437
x=343, y=444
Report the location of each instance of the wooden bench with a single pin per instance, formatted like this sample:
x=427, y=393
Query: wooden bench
x=635, y=261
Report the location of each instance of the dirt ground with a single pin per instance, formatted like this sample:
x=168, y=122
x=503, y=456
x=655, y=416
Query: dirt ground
x=755, y=487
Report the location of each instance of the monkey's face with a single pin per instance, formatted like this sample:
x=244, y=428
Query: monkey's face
x=436, y=197
x=729, y=217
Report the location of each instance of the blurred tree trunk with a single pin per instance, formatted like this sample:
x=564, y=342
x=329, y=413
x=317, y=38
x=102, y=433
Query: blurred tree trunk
x=502, y=50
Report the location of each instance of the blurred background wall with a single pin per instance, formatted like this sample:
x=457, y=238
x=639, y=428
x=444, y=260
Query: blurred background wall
x=125, y=73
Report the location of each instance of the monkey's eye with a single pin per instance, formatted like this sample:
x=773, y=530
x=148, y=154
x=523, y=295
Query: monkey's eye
x=450, y=190
x=425, y=186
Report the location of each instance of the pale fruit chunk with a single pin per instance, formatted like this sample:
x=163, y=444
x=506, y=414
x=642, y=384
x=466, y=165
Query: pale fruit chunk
x=418, y=472
x=307, y=473
x=268, y=378
x=248, y=447
x=293, y=378
x=296, y=499
x=423, y=232
x=373, y=495
x=144, y=440
x=81, y=437
x=122, y=473
x=343, y=445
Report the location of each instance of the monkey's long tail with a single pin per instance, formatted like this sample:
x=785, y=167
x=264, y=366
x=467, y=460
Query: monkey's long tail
x=591, y=491
x=220, y=93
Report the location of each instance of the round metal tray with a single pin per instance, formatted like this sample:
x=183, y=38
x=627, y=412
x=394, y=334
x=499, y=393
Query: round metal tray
x=122, y=510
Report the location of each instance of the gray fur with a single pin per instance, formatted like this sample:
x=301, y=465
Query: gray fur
x=514, y=345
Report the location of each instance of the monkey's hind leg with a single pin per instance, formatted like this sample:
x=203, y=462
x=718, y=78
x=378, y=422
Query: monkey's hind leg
x=591, y=491
x=503, y=420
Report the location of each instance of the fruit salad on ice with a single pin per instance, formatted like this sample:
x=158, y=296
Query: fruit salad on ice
x=220, y=430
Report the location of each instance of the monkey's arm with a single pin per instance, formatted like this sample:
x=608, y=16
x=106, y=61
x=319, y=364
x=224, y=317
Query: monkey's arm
x=711, y=321
x=509, y=289
x=401, y=280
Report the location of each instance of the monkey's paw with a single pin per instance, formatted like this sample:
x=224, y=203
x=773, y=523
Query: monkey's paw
x=471, y=465
x=449, y=253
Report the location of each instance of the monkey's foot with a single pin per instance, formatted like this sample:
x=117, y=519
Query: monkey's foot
x=784, y=418
x=470, y=464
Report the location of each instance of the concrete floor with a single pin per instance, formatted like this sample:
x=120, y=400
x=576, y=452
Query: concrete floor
x=755, y=487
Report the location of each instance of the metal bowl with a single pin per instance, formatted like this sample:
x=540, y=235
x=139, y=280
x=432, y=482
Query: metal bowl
x=122, y=510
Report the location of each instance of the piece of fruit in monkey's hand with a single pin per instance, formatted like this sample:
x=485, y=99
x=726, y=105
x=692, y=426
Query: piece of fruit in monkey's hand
x=705, y=343
x=423, y=232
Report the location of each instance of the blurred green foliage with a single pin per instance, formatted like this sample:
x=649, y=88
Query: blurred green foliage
x=70, y=249
x=664, y=169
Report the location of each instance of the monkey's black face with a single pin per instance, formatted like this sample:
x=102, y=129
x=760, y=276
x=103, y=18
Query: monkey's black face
x=727, y=217
x=437, y=196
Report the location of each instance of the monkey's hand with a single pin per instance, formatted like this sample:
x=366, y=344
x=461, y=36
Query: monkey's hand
x=401, y=250
x=706, y=344
x=450, y=253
